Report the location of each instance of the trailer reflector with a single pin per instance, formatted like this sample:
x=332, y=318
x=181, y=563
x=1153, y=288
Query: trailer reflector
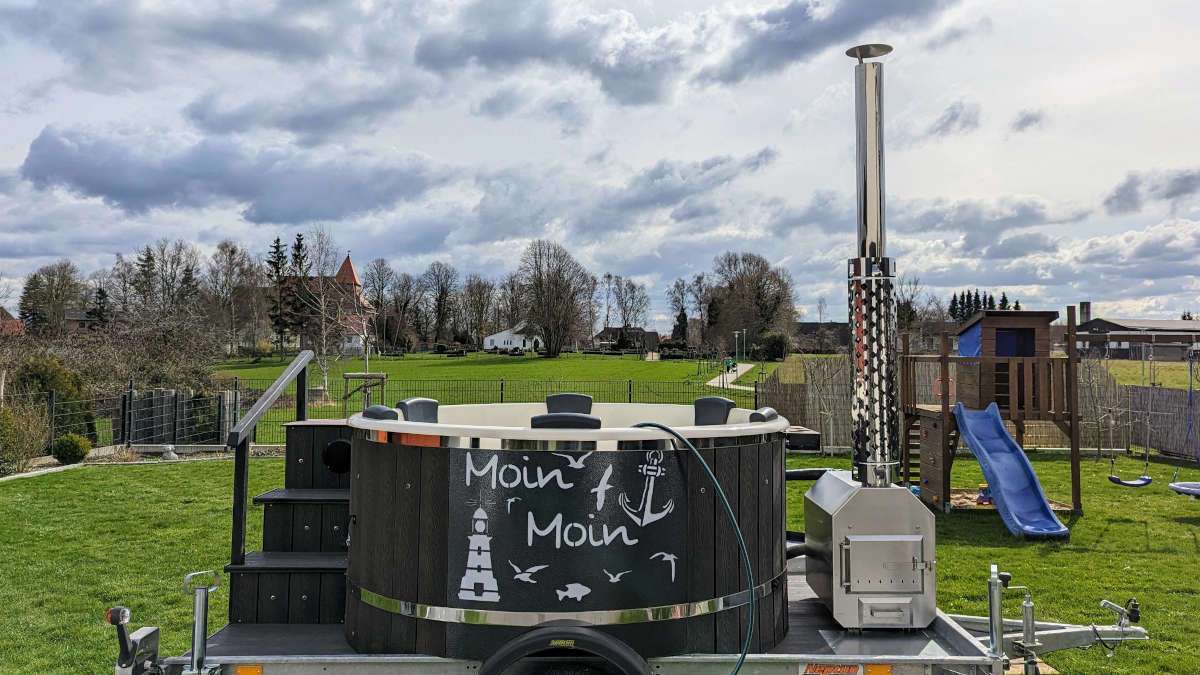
x=244, y=669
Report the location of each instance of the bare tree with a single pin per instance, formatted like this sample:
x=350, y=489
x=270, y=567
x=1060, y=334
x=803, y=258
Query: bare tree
x=406, y=299
x=333, y=309
x=378, y=281
x=753, y=296
x=228, y=282
x=48, y=294
x=677, y=296
x=510, y=307
x=907, y=292
x=699, y=292
x=478, y=296
x=592, y=312
x=441, y=283
x=632, y=300
x=555, y=287
x=608, y=280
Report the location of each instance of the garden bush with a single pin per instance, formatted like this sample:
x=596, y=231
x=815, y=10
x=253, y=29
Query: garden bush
x=70, y=448
x=23, y=432
x=771, y=347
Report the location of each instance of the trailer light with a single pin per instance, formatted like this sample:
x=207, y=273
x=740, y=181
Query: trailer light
x=878, y=669
x=117, y=616
x=247, y=670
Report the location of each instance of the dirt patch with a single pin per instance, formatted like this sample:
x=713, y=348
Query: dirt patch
x=961, y=498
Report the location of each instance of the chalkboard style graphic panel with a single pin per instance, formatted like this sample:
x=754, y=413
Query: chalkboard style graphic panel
x=566, y=531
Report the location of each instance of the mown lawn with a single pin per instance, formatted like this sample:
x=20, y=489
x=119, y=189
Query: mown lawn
x=1143, y=543
x=481, y=366
x=1170, y=374
x=77, y=542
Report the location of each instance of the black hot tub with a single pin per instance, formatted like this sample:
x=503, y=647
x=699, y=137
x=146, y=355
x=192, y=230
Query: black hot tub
x=468, y=531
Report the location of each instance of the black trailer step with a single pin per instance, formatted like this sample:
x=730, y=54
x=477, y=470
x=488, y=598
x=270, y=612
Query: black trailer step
x=304, y=496
x=288, y=561
x=285, y=587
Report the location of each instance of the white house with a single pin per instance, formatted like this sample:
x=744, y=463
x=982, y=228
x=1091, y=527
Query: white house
x=517, y=336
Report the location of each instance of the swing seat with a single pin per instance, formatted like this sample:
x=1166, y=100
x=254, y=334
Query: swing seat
x=1140, y=481
x=1189, y=489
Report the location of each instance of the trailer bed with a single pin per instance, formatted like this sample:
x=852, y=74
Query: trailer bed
x=813, y=638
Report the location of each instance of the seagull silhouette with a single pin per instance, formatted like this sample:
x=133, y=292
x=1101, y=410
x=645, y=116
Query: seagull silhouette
x=602, y=487
x=614, y=578
x=527, y=575
x=667, y=557
x=574, y=462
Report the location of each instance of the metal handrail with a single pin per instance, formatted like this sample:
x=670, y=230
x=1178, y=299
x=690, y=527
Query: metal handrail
x=239, y=440
x=297, y=368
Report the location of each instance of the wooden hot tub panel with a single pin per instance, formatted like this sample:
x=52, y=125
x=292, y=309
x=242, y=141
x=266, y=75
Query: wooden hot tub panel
x=472, y=535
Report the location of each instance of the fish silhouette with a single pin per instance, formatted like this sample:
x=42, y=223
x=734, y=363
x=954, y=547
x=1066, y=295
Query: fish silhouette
x=574, y=591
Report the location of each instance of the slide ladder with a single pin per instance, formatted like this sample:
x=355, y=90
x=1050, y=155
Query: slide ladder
x=1015, y=488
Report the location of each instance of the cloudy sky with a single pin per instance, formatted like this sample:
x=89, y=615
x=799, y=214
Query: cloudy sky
x=1046, y=149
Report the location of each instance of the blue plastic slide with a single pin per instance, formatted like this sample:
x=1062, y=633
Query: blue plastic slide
x=1015, y=488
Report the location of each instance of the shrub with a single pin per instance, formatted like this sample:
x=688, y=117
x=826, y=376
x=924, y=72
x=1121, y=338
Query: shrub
x=23, y=431
x=70, y=448
x=771, y=347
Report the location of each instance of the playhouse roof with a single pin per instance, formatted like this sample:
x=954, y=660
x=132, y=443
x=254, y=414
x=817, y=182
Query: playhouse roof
x=1050, y=316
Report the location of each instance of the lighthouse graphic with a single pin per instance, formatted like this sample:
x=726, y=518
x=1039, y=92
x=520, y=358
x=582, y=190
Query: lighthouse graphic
x=478, y=583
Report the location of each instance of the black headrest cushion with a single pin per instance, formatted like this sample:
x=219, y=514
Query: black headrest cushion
x=565, y=420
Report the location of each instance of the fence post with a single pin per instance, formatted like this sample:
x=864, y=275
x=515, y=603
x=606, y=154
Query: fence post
x=502, y=390
x=50, y=401
x=220, y=430
x=1073, y=416
x=128, y=421
x=630, y=391
x=756, y=405
x=237, y=400
x=174, y=416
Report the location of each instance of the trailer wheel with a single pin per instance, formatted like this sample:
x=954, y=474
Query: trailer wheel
x=620, y=657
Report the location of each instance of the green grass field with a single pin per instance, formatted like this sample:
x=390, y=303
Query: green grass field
x=1170, y=374
x=77, y=542
x=480, y=366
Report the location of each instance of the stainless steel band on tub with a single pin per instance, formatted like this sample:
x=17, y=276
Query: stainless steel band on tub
x=598, y=617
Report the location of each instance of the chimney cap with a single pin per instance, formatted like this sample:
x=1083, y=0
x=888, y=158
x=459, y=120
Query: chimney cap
x=868, y=51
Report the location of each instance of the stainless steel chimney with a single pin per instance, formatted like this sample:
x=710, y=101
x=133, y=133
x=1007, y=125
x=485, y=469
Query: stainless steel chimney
x=876, y=408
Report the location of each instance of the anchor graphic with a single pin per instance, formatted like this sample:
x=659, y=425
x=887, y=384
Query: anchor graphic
x=643, y=514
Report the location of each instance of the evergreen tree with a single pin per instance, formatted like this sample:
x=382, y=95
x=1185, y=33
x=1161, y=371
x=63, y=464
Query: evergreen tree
x=30, y=308
x=301, y=269
x=954, y=307
x=145, y=271
x=1017, y=305
x=976, y=303
x=98, y=309
x=1186, y=316
x=991, y=301
x=189, y=287
x=679, y=330
x=277, y=272
x=1003, y=300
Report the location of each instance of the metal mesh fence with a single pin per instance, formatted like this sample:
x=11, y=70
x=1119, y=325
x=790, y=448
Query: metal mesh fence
x=341, y=398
